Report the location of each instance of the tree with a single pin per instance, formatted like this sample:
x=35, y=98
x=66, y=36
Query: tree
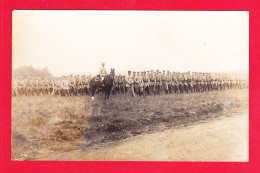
x=30, y=71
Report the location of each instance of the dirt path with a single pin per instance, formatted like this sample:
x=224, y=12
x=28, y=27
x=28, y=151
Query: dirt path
x=222, y=139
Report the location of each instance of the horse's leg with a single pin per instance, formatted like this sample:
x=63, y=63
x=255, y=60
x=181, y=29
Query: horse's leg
x=108, y=93
x=92, y=93
x=105, y=95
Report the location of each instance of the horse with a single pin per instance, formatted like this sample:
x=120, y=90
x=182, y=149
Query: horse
x=108, y=83
x=105, y=86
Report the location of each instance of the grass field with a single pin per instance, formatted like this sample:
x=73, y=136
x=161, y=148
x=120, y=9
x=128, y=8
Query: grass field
x=46, y=124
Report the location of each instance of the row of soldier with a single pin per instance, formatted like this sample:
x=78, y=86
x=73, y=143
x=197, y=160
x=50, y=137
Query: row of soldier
x=64, y=86
x=156, y=83
x=136, y=83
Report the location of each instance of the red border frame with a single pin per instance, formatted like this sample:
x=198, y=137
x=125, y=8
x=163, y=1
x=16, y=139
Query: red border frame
x=6, y=165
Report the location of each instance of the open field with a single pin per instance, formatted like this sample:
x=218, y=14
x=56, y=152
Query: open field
x=51, y=127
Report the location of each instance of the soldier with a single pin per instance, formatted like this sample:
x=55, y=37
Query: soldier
x=65, y=86
x=175, y=82
x=123, y=83
x=78, y=85
x=146, y=83
x=72, y=85
x=189, y=82
x=57, y=86
x=214, y=82
x=152, y=81
x=102, y=71
x=204, y=82
x=35, y=86
x=136, y=84
x=199, y=82
x=120, y=84
x=84, y=85
x=14, y=87
x=169, y=82
x=88, y=81
x=158, y=82
x=134, y=75
x=129, y=84
x=180, y=79
x=29, y=87
x=21, y=86
x=209, y=82
x=139, y=84
x=46, y=86
x=51, y=85
x=220, y=82
x=40, y=86
x=184, y=82
x=164, y=84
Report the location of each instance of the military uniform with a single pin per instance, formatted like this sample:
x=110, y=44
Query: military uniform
x=175, y=83
x=57, y=86
x=158, y=82
x=46, y=86
x=102, y=72
x=40, y=86
x=21, y=86
x=51, y=86
x=152, y=82
x=65, y=86
x=169, y=82
x=164, y=82
x=120, y=84
x=129, y=84
x=139, y=84
x=78, y=85
x=146, y=84
x=85, y=85
x=14, y=87
x=35, y=87
x=72, y=85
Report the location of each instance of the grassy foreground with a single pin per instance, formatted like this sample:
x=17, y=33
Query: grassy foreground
x=45, y=124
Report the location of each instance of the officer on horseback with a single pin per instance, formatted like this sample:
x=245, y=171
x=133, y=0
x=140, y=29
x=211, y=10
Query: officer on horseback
x=102, y=71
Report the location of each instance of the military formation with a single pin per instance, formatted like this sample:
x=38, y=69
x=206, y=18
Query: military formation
x=71, y=85
x=165, y=82
x=134, y=83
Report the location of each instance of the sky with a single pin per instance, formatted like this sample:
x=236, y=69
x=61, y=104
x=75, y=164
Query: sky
x=78, y=41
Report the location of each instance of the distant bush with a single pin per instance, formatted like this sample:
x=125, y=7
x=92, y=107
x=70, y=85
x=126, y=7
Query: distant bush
x=26, y=71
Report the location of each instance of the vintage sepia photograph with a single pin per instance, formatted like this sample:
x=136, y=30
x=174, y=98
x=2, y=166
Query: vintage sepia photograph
x=130, y=85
